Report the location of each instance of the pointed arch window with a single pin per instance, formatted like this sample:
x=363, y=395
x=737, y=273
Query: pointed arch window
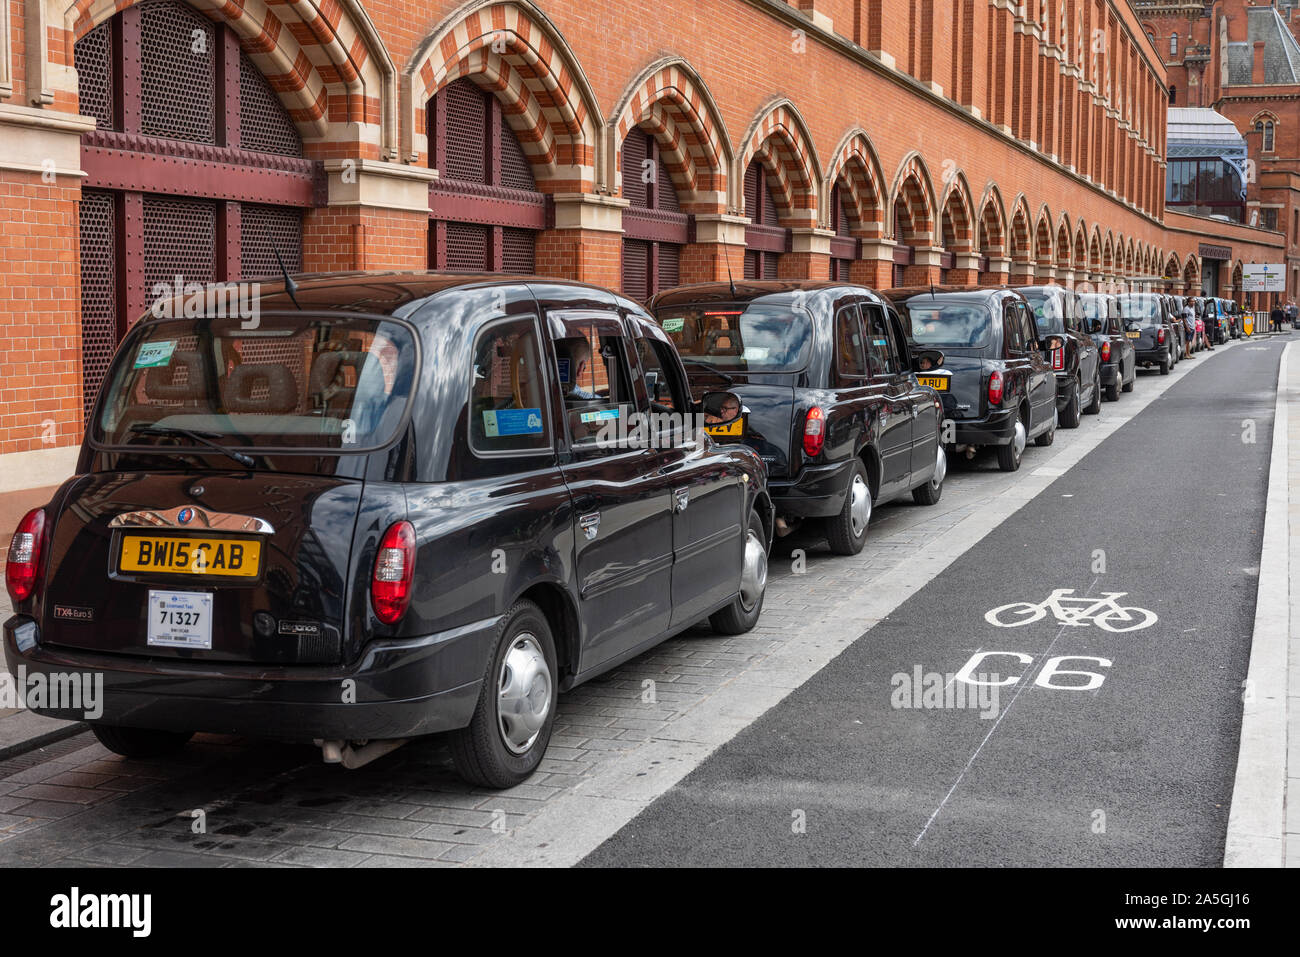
x=654, y=226
x=1173, y=44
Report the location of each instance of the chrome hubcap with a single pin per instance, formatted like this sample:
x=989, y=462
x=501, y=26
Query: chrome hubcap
x=523, y=694
x=1019, y=440
x=940, y=469
x=753, y=577
x=859, y=505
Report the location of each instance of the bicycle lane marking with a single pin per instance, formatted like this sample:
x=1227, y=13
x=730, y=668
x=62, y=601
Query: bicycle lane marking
x=1092, y=613
x=1020, y=686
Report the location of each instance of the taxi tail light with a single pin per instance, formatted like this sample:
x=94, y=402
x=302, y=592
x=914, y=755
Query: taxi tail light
x=1105, y=352
x=1160, y=336
x=1058, y=358
x=814, y=431
x=995, y=388
x=22, y=569
x=390, y=583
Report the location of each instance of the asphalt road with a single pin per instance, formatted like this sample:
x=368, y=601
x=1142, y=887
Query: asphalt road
x=1137, y=770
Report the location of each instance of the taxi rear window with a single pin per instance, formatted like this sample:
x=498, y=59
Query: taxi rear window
x=757, y=336
x=291, y=383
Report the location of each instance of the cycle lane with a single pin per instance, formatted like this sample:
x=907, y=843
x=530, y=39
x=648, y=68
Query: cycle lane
x=1135, y=769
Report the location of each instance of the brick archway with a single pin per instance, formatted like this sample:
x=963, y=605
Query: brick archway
x=1064, y=244
x=991, y=235
x=957, y=219
x=913, y=194
x=670, y=101
x=855, y=168
x=778, y=139
x=514, y=52
x=325, y=61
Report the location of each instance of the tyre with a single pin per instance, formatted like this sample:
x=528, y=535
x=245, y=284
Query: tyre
x=742, y=614
x=847, y=532
x=1048, y=437
x=1128, y=386
x=511, y=727
x=1112, y=391
x=1070, y=414
x=1009, y=455
x=140, y=742
x=928, y=494
x=1164, y=365
x=1094, y=407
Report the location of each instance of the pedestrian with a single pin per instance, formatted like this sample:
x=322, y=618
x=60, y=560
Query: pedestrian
x=1276, y=317
x=1189, y=324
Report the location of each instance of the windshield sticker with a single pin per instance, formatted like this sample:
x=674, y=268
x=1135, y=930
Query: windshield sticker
x=498, y=422
x=756, y=353
x=153, y=355
x=598, y=416
x=674, y=325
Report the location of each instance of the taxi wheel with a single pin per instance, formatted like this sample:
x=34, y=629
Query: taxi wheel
x=1112, y=392
x=742, y=614
x=1128, y=386
x=1009, y=454
x=1095, y=406
x=929, y=493
x=507, y=737
x=1164, y=365
x=847, y=532
x=140, y=742
x=1070, y=414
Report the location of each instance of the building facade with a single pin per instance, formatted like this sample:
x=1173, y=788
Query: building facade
x=1242, y=60
x=632, y=144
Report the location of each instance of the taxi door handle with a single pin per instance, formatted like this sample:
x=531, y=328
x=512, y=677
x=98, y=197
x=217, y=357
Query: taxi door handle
x=681, y=499
x=590, y=524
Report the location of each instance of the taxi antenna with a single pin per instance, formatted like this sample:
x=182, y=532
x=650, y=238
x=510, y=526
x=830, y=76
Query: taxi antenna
x=290, y=286
x=727, y=259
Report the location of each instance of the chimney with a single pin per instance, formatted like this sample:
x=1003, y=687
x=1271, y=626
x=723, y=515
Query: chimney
x=1257, y=66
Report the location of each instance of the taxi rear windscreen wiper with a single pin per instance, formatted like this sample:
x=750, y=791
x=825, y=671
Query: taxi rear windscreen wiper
x=706, y=365
x=203, y=438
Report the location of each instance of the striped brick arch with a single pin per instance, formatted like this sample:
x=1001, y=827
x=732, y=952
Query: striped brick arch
x=1192, y=275
x=779, y=140
x=856, y=170
x=992, y=237
x=913, y=195
x=1021, y=236
x=511, y=50
x=322, y=57
x=671, y=102
x=1173, y=268
x=958, y=234
x=1080, y=246
x=1094, y=251
x=1043, y=238
x=1108, y=255
x=1064, y=245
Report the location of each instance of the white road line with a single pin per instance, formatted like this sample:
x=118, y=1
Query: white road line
x=1023, y=683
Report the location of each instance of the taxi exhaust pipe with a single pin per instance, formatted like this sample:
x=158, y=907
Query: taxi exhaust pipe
x=356, y=754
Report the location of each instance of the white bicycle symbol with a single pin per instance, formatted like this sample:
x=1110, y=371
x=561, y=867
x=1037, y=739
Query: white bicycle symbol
x=1075, y=610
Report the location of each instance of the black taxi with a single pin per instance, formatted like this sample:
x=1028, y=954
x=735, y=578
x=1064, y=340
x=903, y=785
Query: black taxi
x=834, y=405
x=386, y=505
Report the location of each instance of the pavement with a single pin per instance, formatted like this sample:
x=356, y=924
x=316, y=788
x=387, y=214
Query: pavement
x=630, y=747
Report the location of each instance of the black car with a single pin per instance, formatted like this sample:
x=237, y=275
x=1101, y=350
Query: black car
x=1001, y=390
x=1077, y=364
x=386, y=505
x=835, y=409
x=1176, y=326
x=1101, y=316
x=1209, y=310
x=1148, y=323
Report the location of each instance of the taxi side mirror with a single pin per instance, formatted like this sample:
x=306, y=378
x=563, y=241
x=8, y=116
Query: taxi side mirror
x=1052, y=343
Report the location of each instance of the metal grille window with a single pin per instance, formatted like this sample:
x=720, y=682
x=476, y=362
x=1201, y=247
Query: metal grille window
x=654, y=226
x=484, y=207
x=766, y=238
x=93, y=55
x=268, y=230
x=177, y=75
x=264, y=124
x=98, y=291
x=189, y=83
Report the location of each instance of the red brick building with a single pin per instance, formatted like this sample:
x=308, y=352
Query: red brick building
x=634, y=144
x=1242, y=59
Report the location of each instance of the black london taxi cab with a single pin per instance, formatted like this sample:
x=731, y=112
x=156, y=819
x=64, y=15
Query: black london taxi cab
x=835, y=408
x=383, y=506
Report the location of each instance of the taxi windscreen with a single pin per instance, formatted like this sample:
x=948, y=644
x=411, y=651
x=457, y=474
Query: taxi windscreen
x=310, y=383
x=949, y=325
x=740, y=337
x=1144, y=310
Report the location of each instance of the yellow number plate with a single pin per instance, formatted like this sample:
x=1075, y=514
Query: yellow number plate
x=937, y=382
x=734, y=429
x=237, y=557
x=1133, y=335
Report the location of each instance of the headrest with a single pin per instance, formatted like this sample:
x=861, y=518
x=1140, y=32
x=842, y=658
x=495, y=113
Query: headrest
x=281, y=390
x=180, y=379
